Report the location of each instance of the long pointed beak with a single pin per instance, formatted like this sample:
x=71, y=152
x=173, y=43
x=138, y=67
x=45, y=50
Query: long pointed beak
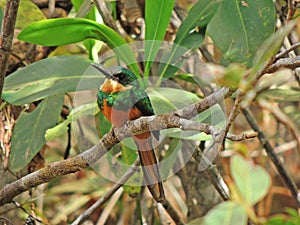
x=102, y=70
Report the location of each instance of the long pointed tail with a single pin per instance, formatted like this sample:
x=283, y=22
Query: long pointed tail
x=150, y=168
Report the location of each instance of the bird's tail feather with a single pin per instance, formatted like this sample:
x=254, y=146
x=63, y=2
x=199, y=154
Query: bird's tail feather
x=150, y=168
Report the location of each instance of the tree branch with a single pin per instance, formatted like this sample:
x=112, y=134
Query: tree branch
x=6, y=37
x=290, y=63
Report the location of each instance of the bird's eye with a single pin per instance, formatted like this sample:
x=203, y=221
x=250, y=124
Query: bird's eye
x=120, y=76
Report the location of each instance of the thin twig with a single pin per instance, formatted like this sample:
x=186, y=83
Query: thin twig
x=213, y=174
x=6, y=36
x=291, y=10
x=288, y=181
x=218, y=138
x=172, y=212
x=290, y=63
x=108, y=19
x=286, y=51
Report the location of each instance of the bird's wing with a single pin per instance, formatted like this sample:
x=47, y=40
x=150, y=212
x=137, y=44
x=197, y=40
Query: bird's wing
x=143, y=104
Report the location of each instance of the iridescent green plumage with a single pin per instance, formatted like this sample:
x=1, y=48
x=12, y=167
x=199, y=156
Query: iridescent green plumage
x=124, y=100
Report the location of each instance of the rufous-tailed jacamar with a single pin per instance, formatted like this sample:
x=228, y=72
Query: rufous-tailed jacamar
x=120, y=99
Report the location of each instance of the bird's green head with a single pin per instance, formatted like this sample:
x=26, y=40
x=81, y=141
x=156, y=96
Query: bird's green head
x=117, y=73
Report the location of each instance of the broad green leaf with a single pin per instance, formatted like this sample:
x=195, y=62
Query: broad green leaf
x=28, y=13
x=62, y=31
x=226, y=213
x=269, y=48
x=239, y=28
x=28, y=134
x=281, y=95
x=253, y=181
x=50, y=76
x=165, y=99
x=157, y=17
x=76, y=113
x=190, y=34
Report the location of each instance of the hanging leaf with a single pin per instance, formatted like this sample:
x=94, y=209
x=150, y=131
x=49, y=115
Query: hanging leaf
x=28, y=134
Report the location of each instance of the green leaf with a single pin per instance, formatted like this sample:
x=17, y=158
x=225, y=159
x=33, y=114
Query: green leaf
x=50, y=76
x=164, y=99
x=28, y=134
x=1, y=17
x=62, y=31
x=58, y=130
x=157, y=17
x=253, y=181
x=239, y=28
x=279, y=220
x=281, y=95
x=28, y=13
x=190, y=34
x=226, y=213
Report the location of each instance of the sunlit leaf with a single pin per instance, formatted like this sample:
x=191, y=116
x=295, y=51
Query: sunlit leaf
x=28, y=134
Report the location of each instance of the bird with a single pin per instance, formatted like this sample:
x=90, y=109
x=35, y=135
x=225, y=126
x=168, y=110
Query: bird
x=120, y=98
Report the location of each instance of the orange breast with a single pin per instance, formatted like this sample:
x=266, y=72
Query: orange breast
x=119, y=117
